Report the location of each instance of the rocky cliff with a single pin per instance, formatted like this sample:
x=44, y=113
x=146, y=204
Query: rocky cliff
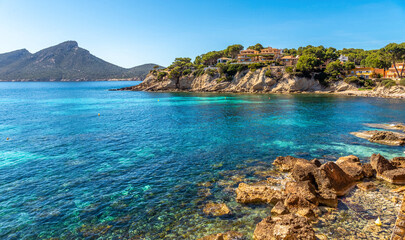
x=257, y=82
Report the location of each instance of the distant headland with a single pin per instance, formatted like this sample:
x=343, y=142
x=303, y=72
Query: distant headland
x=65, y=62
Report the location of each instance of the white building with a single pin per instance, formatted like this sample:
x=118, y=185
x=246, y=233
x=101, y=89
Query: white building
x=343, y=58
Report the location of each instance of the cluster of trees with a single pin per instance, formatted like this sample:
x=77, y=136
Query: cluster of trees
x=317, y=61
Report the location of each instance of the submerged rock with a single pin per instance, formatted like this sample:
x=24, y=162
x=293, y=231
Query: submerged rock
x=231, y=235
x=260, y=192
x=284, y=227
x=216, y=209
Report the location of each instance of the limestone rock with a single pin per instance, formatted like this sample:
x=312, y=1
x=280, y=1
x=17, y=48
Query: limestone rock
x=286, y=163
x=395, y=176
x=340, y=181
x=368, y=170
x=297, y=204
x=216, y=209
x=260, y=192
x=304, y=189
x=231, y=235
x=366, y=186
x=380, y=164
x=351, y=166
x=279, y=209
x=382, y=137
x=398, y=162
x=284, y=227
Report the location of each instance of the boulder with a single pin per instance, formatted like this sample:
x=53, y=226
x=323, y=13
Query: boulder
x=340, y=181
x=395, y=176
x=368, y=170
x=286, y=163
x=284, y=227
x=367, y=186
x=398, y=162
x=231, y=235
x=297, y=204
x=304, y=189
x=216, y=209
x=380, y=164
x=351, y=166
x=260, y=192
x=316, y=162
x=279, y=209
x=307, y=171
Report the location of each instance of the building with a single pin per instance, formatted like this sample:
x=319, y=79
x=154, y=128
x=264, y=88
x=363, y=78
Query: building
x=224, y=60
x=343, y=58
x=392, y=73
x=289, y=60
x=266, y=54
x=366, y=72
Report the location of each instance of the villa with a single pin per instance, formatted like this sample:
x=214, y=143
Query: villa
x=266, y=54
x=366, y=72
x=392, y=73
x=224, y=60
x=343, y=58
x=289, y=60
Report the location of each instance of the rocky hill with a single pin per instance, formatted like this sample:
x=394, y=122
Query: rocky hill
x=257, y=82
x=65, y=61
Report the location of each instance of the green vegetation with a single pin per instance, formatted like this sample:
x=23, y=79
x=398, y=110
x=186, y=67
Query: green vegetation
x=254, y=66
x=256, y=47
x=368, y=83
x=211, y=72
x=289, y=69
x=402, y=82
x=388, y=83
x=161, y=75
x=268, y=73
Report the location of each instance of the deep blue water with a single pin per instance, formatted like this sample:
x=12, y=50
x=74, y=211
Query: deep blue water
x=135, y=170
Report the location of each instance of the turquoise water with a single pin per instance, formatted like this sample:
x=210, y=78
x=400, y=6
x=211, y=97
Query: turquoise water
x=140, y=169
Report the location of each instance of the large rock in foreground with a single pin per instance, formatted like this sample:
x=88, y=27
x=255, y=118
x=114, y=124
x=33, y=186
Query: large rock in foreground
x=380, y=164
x=260, y=192
x=351, y=166
x=340, y=181
x=284, y=227
x=286, y=163
x=395, y=176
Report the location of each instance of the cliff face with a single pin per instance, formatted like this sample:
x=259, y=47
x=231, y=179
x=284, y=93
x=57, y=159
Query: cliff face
x=245, y=81
x=257, y=82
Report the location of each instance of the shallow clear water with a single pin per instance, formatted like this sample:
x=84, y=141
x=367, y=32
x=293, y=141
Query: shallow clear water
x=138, y=170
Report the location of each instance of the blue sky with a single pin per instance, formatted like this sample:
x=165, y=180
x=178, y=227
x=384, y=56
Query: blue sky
x=129, y=33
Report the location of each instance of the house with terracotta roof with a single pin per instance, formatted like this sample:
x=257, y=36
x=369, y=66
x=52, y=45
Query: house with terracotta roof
x=392, y=73
x=266, y=54
x=224, y=60
x=366, y=72
x=289, y=60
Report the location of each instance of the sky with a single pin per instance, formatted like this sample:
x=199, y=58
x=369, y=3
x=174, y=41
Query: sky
x=132, y=32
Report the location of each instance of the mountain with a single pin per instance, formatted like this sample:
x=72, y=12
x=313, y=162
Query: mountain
x=65, y=61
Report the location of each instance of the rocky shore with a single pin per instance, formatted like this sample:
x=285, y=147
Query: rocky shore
x=311, y=198
x=259, y=82
x=317, y=199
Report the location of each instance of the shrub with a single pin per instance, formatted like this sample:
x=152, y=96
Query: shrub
x=187, y=72
x=161, y=75
x=198, y=72
x=254, y=66
x=211, y=72
x=268, y=73
x=388, y=83
x=221, y=79
x=289, y=69
x=402, y=82
x=353, y=79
